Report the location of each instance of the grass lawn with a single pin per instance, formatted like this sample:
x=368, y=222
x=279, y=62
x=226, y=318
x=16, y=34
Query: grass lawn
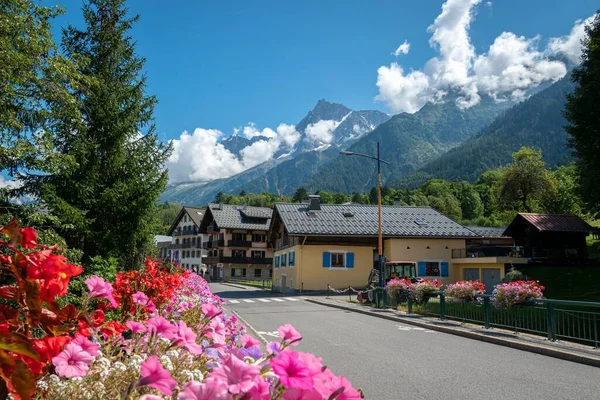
x=567, y=282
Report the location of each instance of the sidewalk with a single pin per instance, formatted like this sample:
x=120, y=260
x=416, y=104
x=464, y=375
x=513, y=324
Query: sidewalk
x=536, y=344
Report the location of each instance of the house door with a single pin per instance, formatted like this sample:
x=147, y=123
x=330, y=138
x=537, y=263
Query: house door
x=491, y=277
x=471, y=274
x=283, y=283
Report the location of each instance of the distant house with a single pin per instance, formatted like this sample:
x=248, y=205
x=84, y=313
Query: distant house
x=186, y=243
x=551, y=238
x=163, y=243
x=321, y=244
x=237, y=242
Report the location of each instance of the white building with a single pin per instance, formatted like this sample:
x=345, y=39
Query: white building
x=186, y=243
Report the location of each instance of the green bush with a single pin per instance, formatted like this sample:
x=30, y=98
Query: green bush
x=513, y=275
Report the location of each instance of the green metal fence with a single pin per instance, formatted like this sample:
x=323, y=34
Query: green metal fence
x=261, y=283
x=575, y=321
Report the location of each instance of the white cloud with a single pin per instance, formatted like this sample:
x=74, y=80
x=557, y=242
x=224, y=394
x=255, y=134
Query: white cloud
x=402, y=49
x=488, y=4
x=201, y=157
x=9, y=184
x=570, y=45
x=510, y=67
x=322, y=131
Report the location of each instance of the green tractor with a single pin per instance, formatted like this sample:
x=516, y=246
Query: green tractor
x=391, y=270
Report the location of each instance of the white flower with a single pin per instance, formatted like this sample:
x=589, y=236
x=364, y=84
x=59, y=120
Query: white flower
x=174, y=354
x=53, y=379
x=166, y=362
x=198, y=375
x=104, y=363
x=188, y=375
x=120, y=366
x=42, y=385
x=135, y=361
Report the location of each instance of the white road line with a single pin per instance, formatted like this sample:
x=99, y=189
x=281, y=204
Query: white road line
x=248, y=301
x=233, y=301
x=276, y=299
x=291, y=299
x=264, y=300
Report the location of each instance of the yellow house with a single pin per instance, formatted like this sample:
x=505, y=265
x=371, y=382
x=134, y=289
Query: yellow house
x=316, y=245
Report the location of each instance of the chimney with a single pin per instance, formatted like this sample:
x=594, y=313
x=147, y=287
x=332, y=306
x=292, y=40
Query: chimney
x=314, y=202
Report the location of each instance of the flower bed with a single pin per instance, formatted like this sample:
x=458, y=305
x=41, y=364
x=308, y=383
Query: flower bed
x=151, y=335
x=514, y=293
x=464, y=291
x=419, y=292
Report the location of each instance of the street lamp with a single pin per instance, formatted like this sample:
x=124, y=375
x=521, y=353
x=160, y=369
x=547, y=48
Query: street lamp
x=380, y=234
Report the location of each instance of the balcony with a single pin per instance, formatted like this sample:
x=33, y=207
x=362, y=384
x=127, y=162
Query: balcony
x=495, y=254
x=216, y=243
x=239, y=243
x=206, y=245
x=236, y=260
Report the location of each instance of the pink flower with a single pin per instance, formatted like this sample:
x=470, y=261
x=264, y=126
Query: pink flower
x=151, y=307
x=72, y=361
x=135, y=327
x=210, y=310
x=249, y=341
x=301, y=394
x=98, y=287
x=208, y=390
x=154, y=375
x=185, y=337
x=238, y=375
x=327, y=384
x=87, y=346
x=161, y=326
x=260, y=391
x=217, y=331
x=274, y=348
x=289, y=334
x=313, y=363
x=150, y=397
x=291, y=371
x=140, y=298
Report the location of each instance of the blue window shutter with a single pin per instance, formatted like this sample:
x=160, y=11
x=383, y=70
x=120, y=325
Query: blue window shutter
x=276, y=261
x=326, y=259
x=349, y=260
x=292, y=257
x=421, y=269
x=283, y=257
x=445, y=271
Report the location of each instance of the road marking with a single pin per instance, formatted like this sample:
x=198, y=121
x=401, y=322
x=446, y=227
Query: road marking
x=414, y=328
x=291, y=299
x=261, y=337
x=248, y=301
x=277, y=300
x=233, y=301
x=264, y=300
x=418, y=328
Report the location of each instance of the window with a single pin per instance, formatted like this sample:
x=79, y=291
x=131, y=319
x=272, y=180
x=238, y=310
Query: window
x=270, y=273
x=238, y=272
x=258, y=254
x=193, y=240
x=337, y=260
x=199, y=253
x=283, y=260
x=238, y=253
x=432, y=268
x=276, y=261
x=176, y=241
x=259, y=238
x=239, y=236
x=257, y=273
x=292, y=258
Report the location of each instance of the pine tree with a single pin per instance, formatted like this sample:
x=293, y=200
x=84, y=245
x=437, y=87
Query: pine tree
x=110, y=197
x=584, y=115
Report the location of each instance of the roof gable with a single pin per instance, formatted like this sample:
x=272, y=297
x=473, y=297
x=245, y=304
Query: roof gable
x=361, y=220
x=550, y=223
x=196, y=214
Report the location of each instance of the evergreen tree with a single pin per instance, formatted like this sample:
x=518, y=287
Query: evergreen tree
x=110, y=197
x=301, y=194
x=35, y=84
x=583, y=114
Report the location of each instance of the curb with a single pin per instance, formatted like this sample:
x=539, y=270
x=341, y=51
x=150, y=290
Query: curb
x=532, y=348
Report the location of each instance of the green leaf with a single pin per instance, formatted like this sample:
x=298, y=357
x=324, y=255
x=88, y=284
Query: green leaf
x=18, y=343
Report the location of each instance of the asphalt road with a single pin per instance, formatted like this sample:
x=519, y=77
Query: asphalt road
x=393, y=361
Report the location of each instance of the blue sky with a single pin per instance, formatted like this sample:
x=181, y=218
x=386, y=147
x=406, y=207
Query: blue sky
x=223, y=64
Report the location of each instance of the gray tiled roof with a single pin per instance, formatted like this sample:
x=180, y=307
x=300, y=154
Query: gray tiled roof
x=489, y=231
x=396, y=221
x=241, y=217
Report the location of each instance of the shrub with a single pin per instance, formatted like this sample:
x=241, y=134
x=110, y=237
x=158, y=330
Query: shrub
x=513, y=275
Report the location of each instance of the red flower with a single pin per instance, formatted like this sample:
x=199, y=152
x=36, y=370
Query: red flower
x=113, y=328
x=28, y=238
x=53, y=273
